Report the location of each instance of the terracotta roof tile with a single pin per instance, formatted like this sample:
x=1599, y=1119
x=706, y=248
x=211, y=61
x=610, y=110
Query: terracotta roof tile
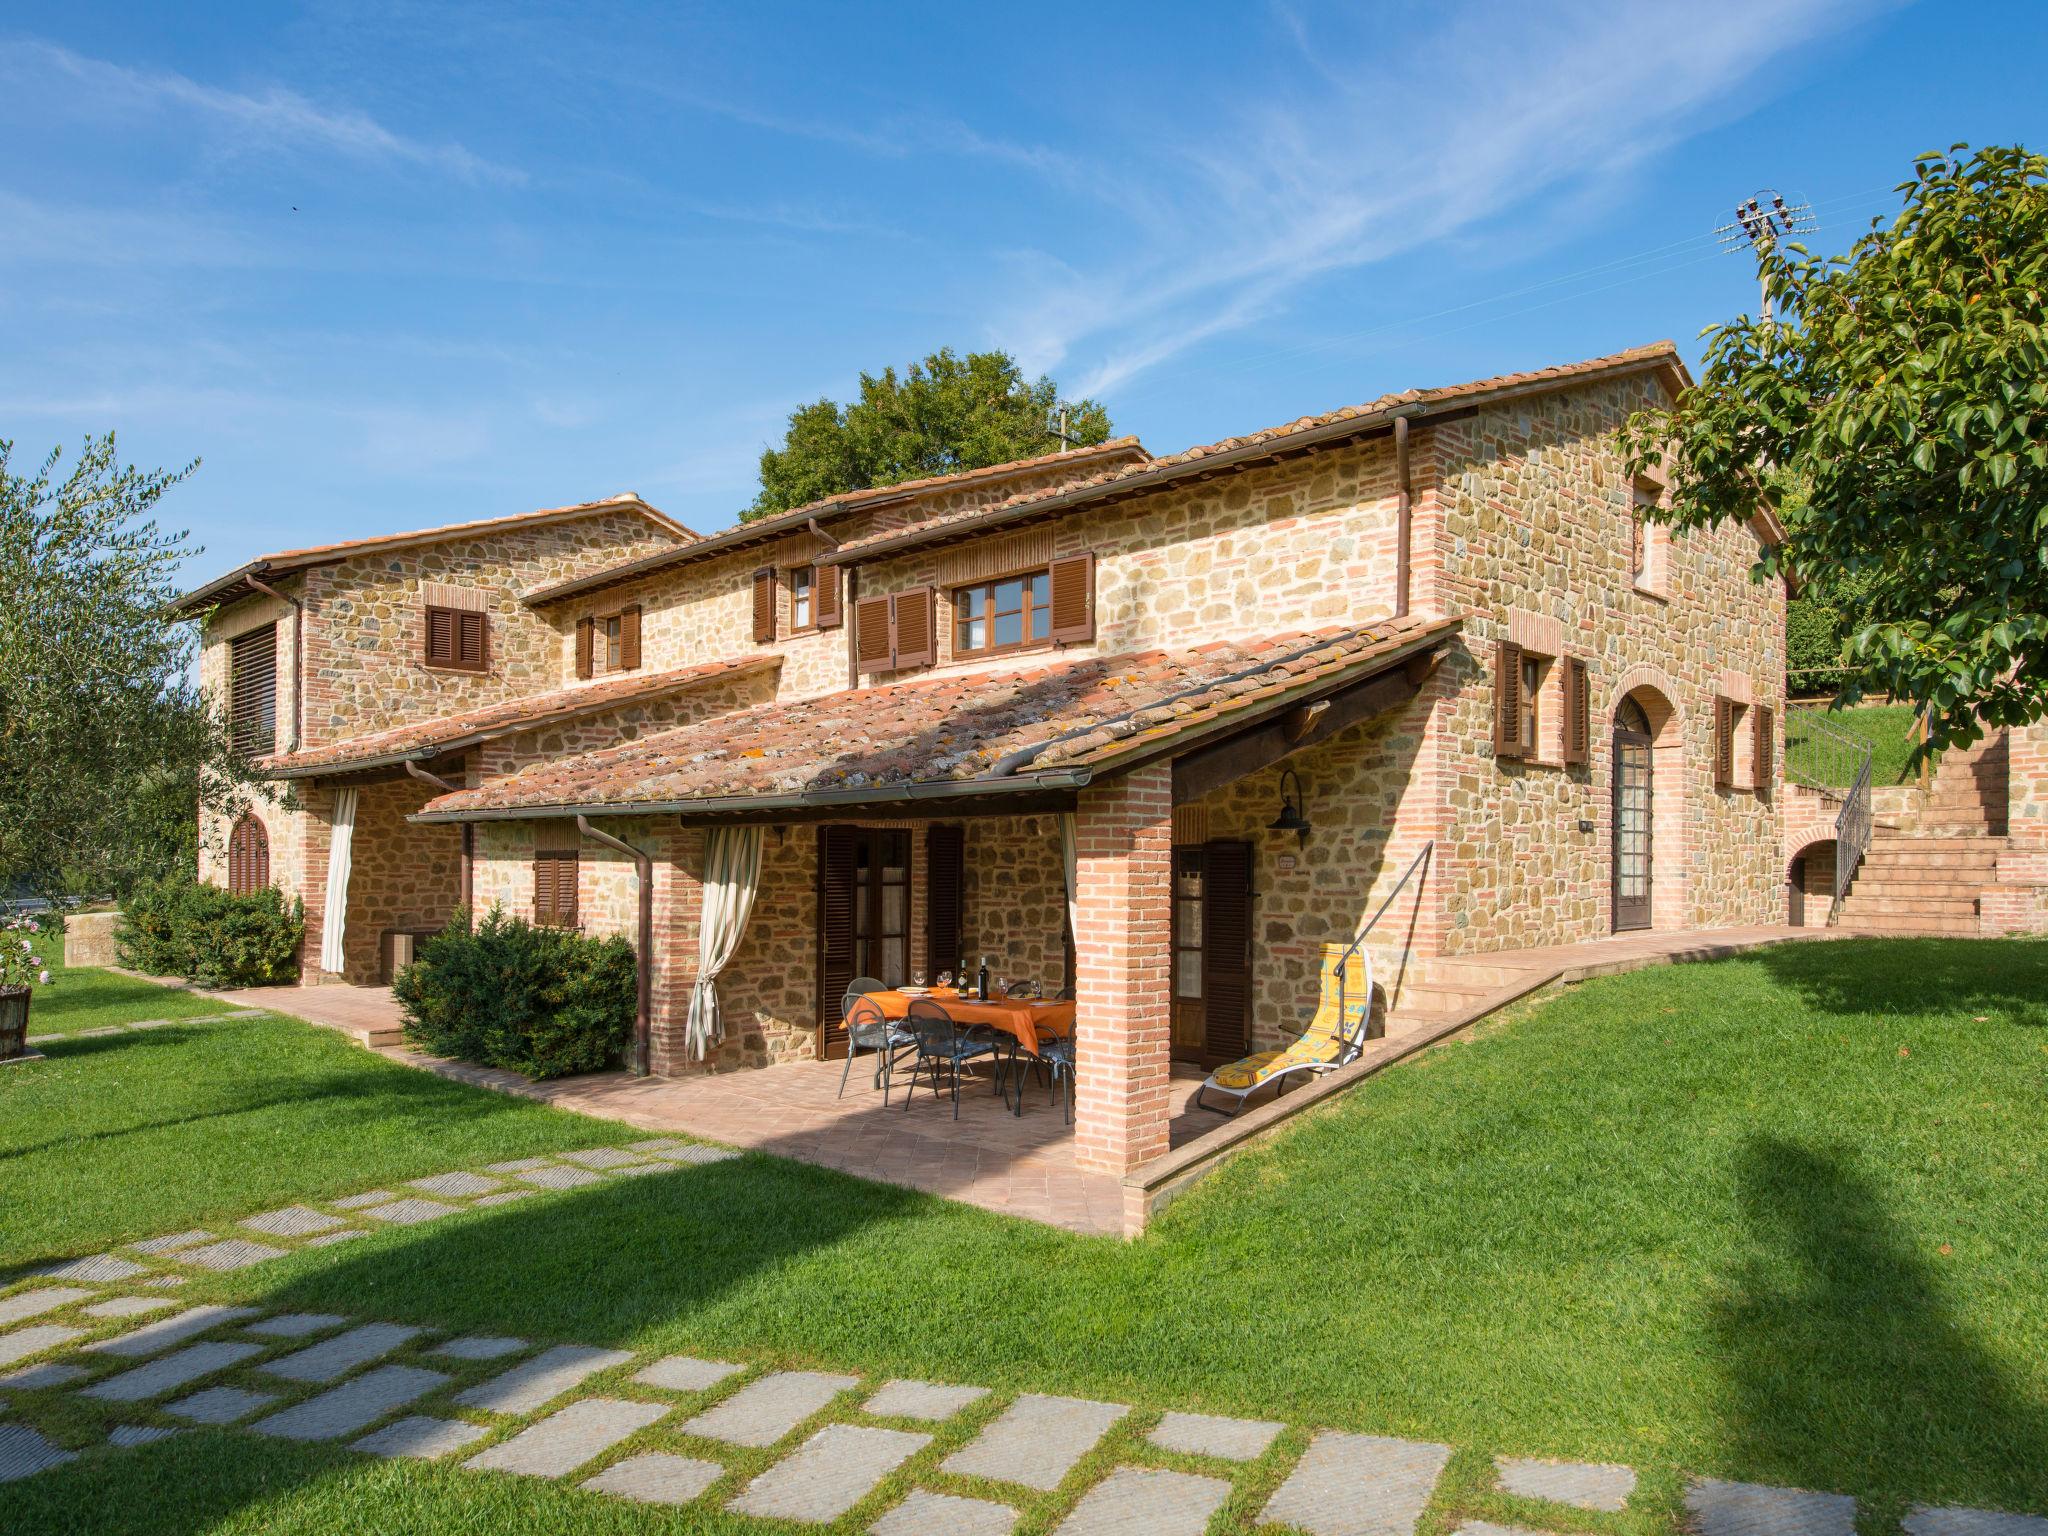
x=954, y=729
x=425, y=738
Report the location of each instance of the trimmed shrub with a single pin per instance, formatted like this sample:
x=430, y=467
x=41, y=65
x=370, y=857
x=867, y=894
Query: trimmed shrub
x=544, y=1002
x=178, y=926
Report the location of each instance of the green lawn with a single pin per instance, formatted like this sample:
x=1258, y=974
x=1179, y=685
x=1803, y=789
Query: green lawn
x=1888, y=728
x=1776, y=1218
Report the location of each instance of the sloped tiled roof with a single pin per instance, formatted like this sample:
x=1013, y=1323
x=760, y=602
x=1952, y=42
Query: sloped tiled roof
x=1291, y=435
x=445, y=733
x=761, y=529
x=968, y=731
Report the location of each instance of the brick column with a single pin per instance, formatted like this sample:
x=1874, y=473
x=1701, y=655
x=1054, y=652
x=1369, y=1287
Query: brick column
x=1125, y=840
x=316, y=811
x=678, y=909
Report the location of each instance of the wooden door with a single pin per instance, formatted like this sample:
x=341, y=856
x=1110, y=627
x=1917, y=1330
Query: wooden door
x=1632, y=852
x=863, y=919
x=1211, y=935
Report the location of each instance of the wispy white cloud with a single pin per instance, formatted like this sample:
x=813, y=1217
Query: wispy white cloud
x=268, y=119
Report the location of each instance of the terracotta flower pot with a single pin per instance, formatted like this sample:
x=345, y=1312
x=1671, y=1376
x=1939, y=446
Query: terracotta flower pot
x=13, y=1022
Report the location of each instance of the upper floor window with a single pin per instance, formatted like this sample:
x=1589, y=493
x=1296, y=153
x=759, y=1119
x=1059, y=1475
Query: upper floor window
x=613, y=640
x=802, y=597
x=252, y=690
x=1005, y=615
x=1649, y=542
x=612, y=636
x=1525, y=715
x=458, y=638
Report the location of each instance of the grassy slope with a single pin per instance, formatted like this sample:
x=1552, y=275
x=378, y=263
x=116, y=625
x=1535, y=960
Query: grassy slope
x=1774, y=1218
x=1887, y=727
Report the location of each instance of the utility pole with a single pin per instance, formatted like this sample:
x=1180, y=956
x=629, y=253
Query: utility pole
x=1059, y=429
x=1760, y=223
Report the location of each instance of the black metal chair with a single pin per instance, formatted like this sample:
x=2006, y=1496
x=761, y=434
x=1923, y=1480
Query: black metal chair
x=943, y=1044
x=869, y=1029
x=1057, y=1056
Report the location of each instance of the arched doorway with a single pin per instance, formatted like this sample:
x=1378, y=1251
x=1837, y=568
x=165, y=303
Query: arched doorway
x=1634, y=854
x=248, y=856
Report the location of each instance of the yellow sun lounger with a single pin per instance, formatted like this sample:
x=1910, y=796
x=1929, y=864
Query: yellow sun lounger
x=1334, y=1037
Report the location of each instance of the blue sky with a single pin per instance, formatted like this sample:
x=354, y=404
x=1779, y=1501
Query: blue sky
x=386, y=267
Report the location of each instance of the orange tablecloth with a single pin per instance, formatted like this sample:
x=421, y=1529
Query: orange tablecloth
x=1027, y=1021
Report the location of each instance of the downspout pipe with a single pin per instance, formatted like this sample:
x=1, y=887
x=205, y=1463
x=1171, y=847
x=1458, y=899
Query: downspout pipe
x=643, y=1014
x=1404, y=518
x=298, y=656
x=466, y=889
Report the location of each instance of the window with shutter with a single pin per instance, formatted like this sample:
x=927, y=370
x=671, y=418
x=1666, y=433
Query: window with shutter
x=457, y=639
x=1507, y=699
x=874, y=633
x=838, y=882
x=803, y=598
x=1073, y=599
x=629, y=638
x=1763, y=746
x=1226, y=950
x=916, y=640
x=829, y=615
x=1578, y=723
x=945, y=857
x=554, y=887
x=1724, y=743
x=586, y=646
x=764, y=605
x=248, y=856
x=252, y=691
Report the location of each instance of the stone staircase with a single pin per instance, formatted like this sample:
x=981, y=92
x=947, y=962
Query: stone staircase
x=1928, y=866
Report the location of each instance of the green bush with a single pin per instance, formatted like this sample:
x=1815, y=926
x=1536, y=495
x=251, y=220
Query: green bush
x=177, y=926
x=544, y=1002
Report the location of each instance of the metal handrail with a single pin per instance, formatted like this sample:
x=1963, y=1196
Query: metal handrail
x=1842, y=755
x=1416, y=863
x=1852, y=837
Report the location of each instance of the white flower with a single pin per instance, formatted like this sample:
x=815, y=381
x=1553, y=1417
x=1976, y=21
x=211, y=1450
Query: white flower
x=44, y=979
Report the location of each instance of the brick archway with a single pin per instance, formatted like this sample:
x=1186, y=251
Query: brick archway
x=1810, y=879
x=1671, y=851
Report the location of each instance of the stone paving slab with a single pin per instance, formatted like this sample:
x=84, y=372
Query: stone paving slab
x=352, y=1406
x=220, y=1405
x=1755, y=1509
x=458, y=1185
x=1204, y=1434
x=600, y=1157
x=658, y=1144
x=520, y=1165
x=542, y=1379
x=174, y=1242
x=15, y=1309
x=170, y=1373
x=1586, y=1485
x=40, y=1378
x=927, y=1400
x=24, y=1453
x=166, y=1331
x=295, y=1325
x=763, y=1411
x=945, y=1514
x=292, y=1221
x=829, y=1473
x=506, y=1196
x=126, y=1437
x=165, y=1282
x=99, y=1266
x=1358, y=1485
x=561, y=1178
x=563, y=1441
x=368, y=1197
x=336, y=1357
x=23, y=1342
x=328, y=1239
x=235, y=1253
x=686, y=1373
x=1147, y=1501
x=411, y=1212
x=1925, y=1520
x=657, y=1478
x=1036, y=1441
x=638, y=1168
x=479, y=1347
x=127, y=1306
x=420, y=1438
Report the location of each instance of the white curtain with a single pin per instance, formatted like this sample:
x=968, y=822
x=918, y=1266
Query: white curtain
x=1070, y=855
x=340, y=855
x=732, y=877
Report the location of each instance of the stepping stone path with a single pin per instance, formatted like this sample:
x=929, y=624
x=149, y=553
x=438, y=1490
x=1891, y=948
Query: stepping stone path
x=411, y=1212
x=293, y=1221
x=235, y=1253
x=520, y=1165
x=23, y=1453
x=367, y=1198
x=40, y=1378
x=600, y=1157
x=330, y=1238
x=830, y=1473
x=944, y=1514
x=295, y=1325
x=507, y=1196
x=479, y=1348
x=682, y=1373
x=921, y=1400
x=173, y=1243
x=763, y=1411
x=1752, y=1509
x=1148, y=1500
x=170, y=1373
x=1202, y=1434
x=220, y=1405
x=165, y=1332
x=1037, y=1441
x=127, y=1306
x=542, y=1379
x=15, y=1309
x=562, y=1178
x=1359, y=1485
x=657, y=1478
x=23, y=1342
x=562, y=1442
x=167, y=1281
x=420, y=1438
x=458, y=1185
x=1924, y=1521
x=336, y=1357
x=625, y=1168
x=1586, y=1485
x=352, y=1406
x=100, y=1267
x=127, y=1436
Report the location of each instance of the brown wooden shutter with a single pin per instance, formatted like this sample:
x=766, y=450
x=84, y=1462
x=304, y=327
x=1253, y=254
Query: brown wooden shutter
x=945, y=859
x=1227, y=949
x=248, y=856
x=825, y=596
x=554, y=887
x=1507, y=699
x=586, y=646
x=252, y=690
x=1073, y=599
x=916, y=641
x=764, y=605
x=874, y=634
x=1763, y=746
x=543, y=890
x=470, y=645
x=440, y=637
x=1578, y=724
x=629, y=638
x=1724, y=743
x=838, y=870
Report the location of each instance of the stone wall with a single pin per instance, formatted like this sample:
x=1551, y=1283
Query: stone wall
x=401, y=874
x=1016, y=899
x=629, y=722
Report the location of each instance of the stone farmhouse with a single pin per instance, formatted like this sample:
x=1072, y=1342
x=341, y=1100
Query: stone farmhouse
x=1047, y=713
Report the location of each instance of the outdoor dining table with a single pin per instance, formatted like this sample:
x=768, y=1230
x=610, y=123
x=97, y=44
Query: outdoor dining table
x=1025, y=1020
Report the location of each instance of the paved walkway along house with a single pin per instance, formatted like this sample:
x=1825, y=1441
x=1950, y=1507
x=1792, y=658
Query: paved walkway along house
x=810, y=1446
